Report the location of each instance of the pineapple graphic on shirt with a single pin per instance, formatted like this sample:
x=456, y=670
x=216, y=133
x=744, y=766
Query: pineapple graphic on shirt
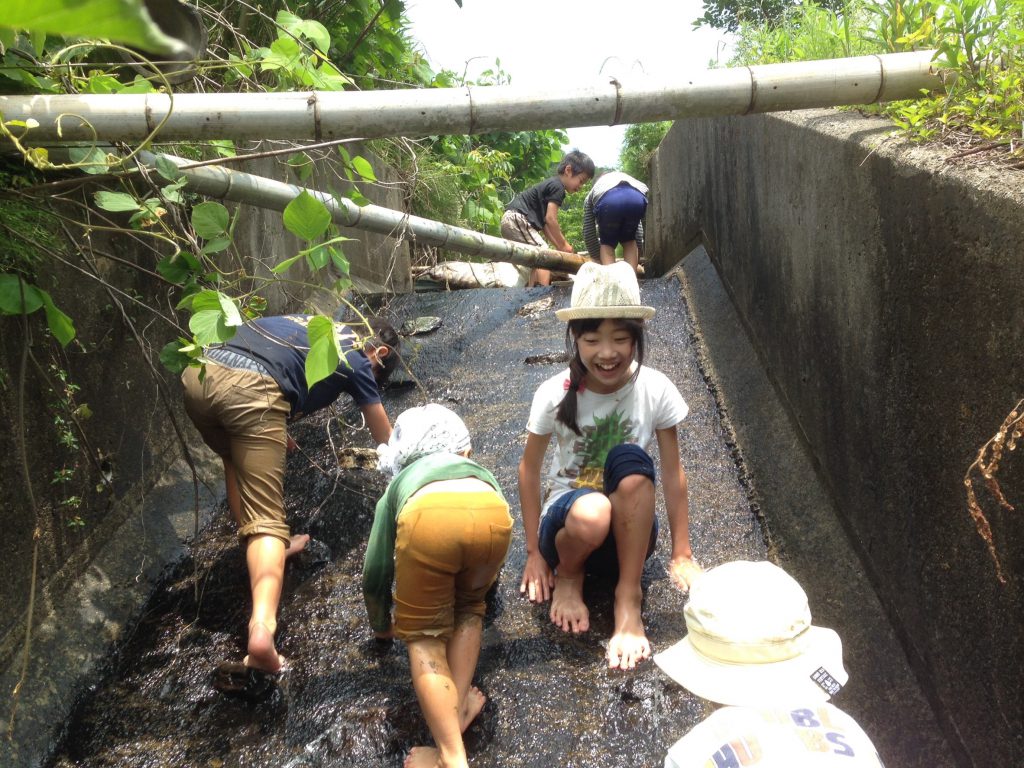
x=593, y=446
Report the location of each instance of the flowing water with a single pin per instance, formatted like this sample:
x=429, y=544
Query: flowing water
x=347, y=699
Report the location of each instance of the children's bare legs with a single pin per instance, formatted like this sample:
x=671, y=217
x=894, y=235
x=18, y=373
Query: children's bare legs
x=586, y=527
x=442, y=675
x=463, y=652
x=296, y=544
x=631, y=254
x=539, y=277
x=264, y=555
x=632, y=519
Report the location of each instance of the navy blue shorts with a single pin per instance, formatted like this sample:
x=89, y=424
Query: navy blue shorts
x=618, y=214
x=622, y=461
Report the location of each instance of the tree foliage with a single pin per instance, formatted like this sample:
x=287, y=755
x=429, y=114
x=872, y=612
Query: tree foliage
x=488, y=169
x=980, y=46
x=273, y=46
x=638, y=145
x=730, y=15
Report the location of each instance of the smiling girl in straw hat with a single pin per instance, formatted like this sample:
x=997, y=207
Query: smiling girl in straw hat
x=599, y=515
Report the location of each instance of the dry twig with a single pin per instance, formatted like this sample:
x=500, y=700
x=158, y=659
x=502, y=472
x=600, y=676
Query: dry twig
x=987, y=464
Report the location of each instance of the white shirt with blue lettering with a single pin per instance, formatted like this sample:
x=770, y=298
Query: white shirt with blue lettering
x=816, y=736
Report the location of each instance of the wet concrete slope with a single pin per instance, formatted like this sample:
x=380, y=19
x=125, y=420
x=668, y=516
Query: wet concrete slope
x=347, y=699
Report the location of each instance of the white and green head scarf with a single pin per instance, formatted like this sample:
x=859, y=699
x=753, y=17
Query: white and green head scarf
x=419, y=432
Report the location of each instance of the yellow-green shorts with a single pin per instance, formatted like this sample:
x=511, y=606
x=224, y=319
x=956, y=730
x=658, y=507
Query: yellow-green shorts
x=449, y=548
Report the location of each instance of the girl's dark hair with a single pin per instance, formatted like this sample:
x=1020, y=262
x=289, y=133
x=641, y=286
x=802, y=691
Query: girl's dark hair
x=566, y=412
x=385, y=335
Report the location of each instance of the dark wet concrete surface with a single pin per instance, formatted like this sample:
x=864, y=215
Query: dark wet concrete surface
x=347, y=699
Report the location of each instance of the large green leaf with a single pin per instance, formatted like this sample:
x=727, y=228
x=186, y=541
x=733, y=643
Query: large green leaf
x=231, y=314
x=122, y=21
x=339, y=260
x=60, y=324
x=224, y=147
x=197, y=302
x=284, y=265
x=306, y=217
x=323, y=356
x=210, y=220
x=167, y=168
x=102, y=83
x=209, y=327
x=92, y=159
x=318, y=257
x=214, y=316
x=284, y=53
x=363, y=168
x=138, y=85
x=173, y=358
x=116, y=201
x=302, y=164
x=216, y=245
x=177, y=267
x=11, y=287
x=312, y=30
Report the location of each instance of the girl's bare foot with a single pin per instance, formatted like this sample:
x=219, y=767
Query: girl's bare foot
x=423, y=757
x=263, y=654
x=568, y=611
x=471, y=707
x=628, y=648
x=629, y=645
x=296, y=544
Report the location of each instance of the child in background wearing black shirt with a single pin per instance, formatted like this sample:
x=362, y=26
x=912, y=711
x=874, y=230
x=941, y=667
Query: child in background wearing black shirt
x=532, y=216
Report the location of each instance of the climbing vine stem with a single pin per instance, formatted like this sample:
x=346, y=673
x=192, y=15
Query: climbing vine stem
x=36, y=533
x=987, y=464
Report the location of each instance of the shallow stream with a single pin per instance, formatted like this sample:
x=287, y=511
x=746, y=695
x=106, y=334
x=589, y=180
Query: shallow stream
x=347, y=699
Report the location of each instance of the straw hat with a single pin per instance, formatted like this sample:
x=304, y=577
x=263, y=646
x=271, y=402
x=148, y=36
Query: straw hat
x=750, y=641
x=821, y=736
x=605, y=290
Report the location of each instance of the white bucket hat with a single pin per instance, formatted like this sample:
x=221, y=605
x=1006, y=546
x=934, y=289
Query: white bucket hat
x=750, y=641
x=821, y=736
x=419, y=432
x=605, y=290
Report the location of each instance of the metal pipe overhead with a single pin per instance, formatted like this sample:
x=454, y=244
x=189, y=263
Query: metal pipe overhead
x=225, y=184
x=324, y=116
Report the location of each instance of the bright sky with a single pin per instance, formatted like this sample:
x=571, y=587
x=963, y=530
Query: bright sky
x=568, y=43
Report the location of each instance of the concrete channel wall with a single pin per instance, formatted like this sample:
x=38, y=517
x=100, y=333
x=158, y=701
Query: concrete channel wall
x=97, y=561
x=880, y=286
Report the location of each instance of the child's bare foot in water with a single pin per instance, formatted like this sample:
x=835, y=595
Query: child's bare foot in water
x=423, y=757
x=296, y=544
x=471, y=707
x=568, y=611
x=263, y=654
x=629, y=644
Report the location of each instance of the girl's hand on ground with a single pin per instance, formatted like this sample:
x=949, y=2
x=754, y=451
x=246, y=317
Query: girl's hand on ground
x=538, y=580
x=684, y=572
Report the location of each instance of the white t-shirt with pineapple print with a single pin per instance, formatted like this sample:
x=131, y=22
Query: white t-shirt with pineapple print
x=629, y=415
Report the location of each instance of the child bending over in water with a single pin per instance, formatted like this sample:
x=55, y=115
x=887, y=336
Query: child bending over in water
x=440, y=533
x=599, y=515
